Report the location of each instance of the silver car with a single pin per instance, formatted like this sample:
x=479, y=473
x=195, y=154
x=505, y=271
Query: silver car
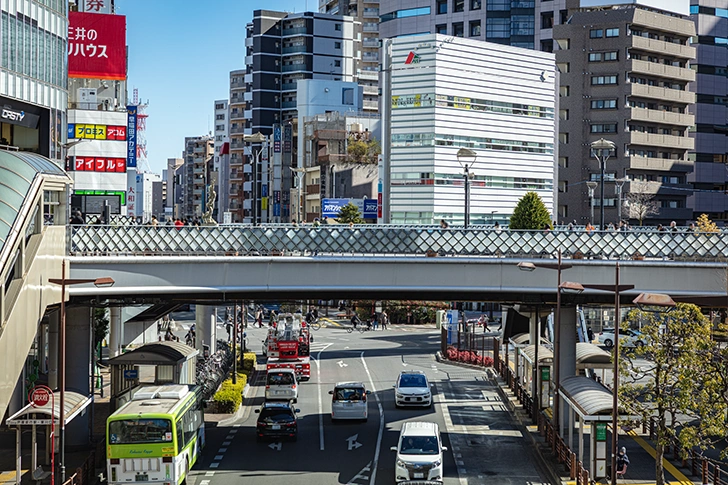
x=412, y=389
x=349, y=401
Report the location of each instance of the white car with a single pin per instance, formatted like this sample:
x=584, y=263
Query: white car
x=349, y=401
x=419, y=453
x=628, y=338
x=281, y=385
x=412, y=389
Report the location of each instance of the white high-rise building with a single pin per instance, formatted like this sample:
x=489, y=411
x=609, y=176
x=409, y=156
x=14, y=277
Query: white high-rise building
x=221, y=160
x=445, y=94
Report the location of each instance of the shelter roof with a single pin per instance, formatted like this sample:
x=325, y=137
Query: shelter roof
x=157, y=353
x=73, y=403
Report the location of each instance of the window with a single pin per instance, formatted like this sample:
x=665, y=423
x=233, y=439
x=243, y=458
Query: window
x=337, y=27
x=498, y=5
x=596, y=33
x=612, y=33
x=475, y=28
x=337, y=45
x=458, y=6
x=598, y=80
x=603, y=104
x=219, y=117
x=547, y=20
x=522, y=4
x=458, y=29
x=441, y=29
x=497, y=28
x=595, y=57
x=219, y=106
x=610, y=56
x=337, y=63
x=604, y=128
x=474, y=4
x=522, y=25
x=441, y=6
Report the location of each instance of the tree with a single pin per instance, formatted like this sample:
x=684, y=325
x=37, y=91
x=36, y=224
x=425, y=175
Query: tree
x=363, y=150
x=350, y=213
x=530, y=213
x=669, y=383
x=639, y=203
x=706, y=225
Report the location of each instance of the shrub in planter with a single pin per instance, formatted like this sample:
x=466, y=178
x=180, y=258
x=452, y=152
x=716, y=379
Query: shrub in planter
x=227, y=400
x=451, y=353
x=248, y=362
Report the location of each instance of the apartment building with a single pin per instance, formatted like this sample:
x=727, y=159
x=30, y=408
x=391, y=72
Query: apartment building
x=710, y=176
x=221, y=158
x=236, y=130
x=198, y=165
x=625, y=75
x=366, y=32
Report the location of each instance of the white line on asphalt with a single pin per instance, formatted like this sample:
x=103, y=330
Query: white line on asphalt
x=209, y=474
x=203, y=482
x=232, y=431
x=221, y=450
x=217, y=457
x=229, y=437
x=320, y=402
x=373, y=476
x=224, y=443
x=215, y=465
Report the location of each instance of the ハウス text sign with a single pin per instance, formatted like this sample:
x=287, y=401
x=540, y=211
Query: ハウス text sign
x=96, y=46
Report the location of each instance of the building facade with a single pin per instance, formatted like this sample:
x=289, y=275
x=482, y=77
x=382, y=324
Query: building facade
x=34, y=77
x=198, y=166
x=221, y=155
x=625, y=75
x=447, y=94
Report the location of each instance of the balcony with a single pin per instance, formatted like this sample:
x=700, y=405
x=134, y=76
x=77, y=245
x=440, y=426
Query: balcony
x=237, y=100
x=294, y=31
x=660, y=164
x=294, y=67
x=663, y=94
x=664, y=141
x=236, y=115
x=661, y=70
x=374, y=43
x=288, y=105
x=371, y=90
x=371, y=13
x=294, y=49
x=646, y=18
x=369, y=57
x=237, y=85
x=660, y=116
x=663, y=48
x=288, y=86
x=237, y=145
x=238, y=130
x=236, y=176
x=369, y=75
x=370, y=28
x=313, y=189
x=371, y=104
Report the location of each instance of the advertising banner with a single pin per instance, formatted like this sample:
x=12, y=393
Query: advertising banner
x=367, y=207
x=96, y=46
x=97, y=132
x=276, y=203
x=131, y=136
x=98, y=164
x=277, y=139
x=287, y=138
x=95, y=6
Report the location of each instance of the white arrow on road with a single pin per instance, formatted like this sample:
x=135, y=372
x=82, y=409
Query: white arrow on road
x=275, y=446
x=342, y=364
x=353, y=443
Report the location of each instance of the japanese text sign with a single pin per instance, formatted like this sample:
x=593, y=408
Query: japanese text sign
x=131, y=136
x=97, y=132
x=99, y=164
x=96, y=46
x=96, y=6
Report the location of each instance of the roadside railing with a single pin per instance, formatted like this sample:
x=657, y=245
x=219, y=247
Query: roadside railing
x=85, y=474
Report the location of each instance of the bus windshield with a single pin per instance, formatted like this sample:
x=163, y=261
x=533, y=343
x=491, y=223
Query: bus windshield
x=142, y=430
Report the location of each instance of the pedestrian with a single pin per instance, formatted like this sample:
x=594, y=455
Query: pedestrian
x=691, y=228
x=294, y=223
x=316, y=222
x=385, y=320
x=375, y=320
x=444, y=224
x=611, y=227
x=589, y=228
x=673, y=226
x=259, y=318
x=497, y=227
x=154, y=221
x=178, y=224
x=622, y=461
x=77, y=218
x=355, y=320
x=570, y=227
x=168, y=335
x=483, y=320
x=661, y=228
x=590, y=334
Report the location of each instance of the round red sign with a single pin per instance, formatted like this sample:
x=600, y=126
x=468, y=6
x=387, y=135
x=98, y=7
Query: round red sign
x=39, y=396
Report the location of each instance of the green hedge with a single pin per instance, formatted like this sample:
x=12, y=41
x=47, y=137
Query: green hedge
x=248, y=362
x=230, y=396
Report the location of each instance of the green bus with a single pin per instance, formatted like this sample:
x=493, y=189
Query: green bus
x=156, y=437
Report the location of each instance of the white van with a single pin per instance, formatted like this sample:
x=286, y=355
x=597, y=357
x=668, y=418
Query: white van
x=349, y=401
x=280, y=385
x=419, y=453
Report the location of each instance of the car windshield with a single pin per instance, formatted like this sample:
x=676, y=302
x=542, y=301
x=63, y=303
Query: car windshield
x=348, y=393
x=133, y=431
x=412, y=380
x=275, y=416
x=419, y=445
x=280, y=379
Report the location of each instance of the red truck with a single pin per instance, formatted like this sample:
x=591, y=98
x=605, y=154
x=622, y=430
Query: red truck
x=288, y=345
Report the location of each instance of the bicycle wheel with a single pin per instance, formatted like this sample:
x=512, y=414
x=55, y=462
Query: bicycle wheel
x=315, y=325
x=349, y=329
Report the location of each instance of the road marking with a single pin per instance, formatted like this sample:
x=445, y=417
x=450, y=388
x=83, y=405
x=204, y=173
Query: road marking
x=221, y=450
x=224, y=443
x=361, y=475
x=233, y=431
x=215, y=465
x=229, y=437
x=373, y=476
x=203, y=482
x=209, y=474
x=320, y=401
x=276, y=446
x=217, y=457
x=236, y=425
x=353, y=443
x=342, y=364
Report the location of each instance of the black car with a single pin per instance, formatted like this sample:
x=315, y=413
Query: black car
x=277, y=419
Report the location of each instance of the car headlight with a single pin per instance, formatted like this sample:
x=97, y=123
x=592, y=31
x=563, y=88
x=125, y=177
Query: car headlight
x=437, y=463
x=401, y=463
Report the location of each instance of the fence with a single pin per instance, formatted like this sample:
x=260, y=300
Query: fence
x=85, y=474
x=470, y=348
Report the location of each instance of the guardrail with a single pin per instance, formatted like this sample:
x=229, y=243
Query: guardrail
x=284, y=240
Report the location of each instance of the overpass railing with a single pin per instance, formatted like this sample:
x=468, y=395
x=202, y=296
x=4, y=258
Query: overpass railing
x=246, y=240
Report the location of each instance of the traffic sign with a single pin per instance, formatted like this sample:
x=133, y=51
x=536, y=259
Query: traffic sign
x=39, y=396
x=27, y=422
x=131, y=374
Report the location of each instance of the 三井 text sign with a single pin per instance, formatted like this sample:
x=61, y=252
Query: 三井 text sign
x=96, y=46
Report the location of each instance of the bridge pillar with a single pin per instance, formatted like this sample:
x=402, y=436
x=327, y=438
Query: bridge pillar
x=567, y=351
x=115, y=330
x=205, y=327
x=78, y=369
x=54, y=320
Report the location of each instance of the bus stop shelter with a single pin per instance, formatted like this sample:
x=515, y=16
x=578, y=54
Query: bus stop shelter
x=174, y=363
x=46, y=415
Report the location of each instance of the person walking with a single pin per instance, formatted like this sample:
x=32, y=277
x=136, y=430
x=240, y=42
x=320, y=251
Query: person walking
x=385, y=320
x=622, y=461
x=483, y=320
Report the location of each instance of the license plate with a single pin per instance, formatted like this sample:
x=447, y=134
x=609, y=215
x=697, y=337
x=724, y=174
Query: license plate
x=280, y=392
x=419, y=475
x=142, y=478
x=275, y=426
x=348, y=404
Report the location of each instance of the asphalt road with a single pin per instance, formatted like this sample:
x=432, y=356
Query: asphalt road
x=483, y=440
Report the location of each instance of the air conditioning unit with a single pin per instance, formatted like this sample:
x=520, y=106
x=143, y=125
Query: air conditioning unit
x=86, y=98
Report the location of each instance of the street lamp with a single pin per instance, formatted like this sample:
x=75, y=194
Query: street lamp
x=591, y=185
x=558, y=266
x=466, y=153
x=255, y=138
x=300, y=172
x=618, y=184
x=602, y=150
x=63, y=282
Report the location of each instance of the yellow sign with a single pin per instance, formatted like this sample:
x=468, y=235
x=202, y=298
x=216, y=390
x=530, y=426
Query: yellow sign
x=94, y=132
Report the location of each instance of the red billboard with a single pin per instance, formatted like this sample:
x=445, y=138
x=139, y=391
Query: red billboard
x=96, y=46
x=98, y=164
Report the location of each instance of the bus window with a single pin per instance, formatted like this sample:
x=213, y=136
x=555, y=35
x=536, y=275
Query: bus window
x=132, y=431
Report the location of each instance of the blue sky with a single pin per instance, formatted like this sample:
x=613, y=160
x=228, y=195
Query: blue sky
x=180, y=56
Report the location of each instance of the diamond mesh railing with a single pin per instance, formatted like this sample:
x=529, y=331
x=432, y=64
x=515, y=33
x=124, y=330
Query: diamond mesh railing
x=245, y=240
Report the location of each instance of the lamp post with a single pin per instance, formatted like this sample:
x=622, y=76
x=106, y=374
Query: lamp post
x=618, y=184
x=602, y=150
x=63, y=282
x=591, y=185
x=300, y=172
x=466, y=153
x=558, y=266
x=255, y=138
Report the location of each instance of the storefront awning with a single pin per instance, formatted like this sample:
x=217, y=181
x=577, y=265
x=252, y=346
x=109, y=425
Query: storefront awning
x=73, y=402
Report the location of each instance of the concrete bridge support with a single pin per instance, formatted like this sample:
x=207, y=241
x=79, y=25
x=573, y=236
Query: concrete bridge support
x=567, y=357
x=205, y=327
x=78, y=370
x=54, y=320
x=115, y=331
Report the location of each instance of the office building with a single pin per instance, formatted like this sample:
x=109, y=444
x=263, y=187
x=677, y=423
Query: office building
x=33, y=83
x=221, y=162
x=625, y=75
x=448, y=94
x=196, y=172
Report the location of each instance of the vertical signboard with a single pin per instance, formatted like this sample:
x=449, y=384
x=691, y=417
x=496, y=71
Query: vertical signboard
x=276, y=203
x=380, y=172
x=277, y=138
x=96, y=46
x=287, y=138
x=452, y=325
x=131, y=136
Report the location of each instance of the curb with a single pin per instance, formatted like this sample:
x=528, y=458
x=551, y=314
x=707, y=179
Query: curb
x=241, y=410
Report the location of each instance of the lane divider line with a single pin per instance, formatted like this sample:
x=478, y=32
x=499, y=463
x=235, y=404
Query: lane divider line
x=373, y=476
